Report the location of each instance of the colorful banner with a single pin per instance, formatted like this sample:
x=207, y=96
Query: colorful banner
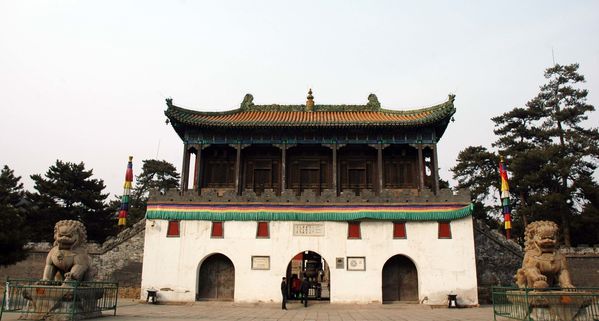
x=124, y=210
x=505, y=197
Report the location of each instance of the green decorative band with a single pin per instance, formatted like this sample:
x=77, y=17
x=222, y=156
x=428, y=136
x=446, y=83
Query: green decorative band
x=287, y=212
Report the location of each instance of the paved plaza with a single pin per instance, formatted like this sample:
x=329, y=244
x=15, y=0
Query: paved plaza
x=321, y=311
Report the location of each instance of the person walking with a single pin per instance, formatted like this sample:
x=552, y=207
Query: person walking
x=304, y=289
x=284, y=293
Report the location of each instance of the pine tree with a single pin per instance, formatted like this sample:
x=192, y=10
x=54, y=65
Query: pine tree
x=156, y=174
x=12, y=221
x=551, y=157
x=68, y=191
x=518, y=135
x=570, y=151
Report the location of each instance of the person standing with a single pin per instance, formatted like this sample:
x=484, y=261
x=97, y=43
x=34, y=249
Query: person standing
x=296, y=284
x=284, y=293
x=304, y=289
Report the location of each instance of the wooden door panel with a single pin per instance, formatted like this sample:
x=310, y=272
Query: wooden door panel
x=216, y=279
x=400, y=280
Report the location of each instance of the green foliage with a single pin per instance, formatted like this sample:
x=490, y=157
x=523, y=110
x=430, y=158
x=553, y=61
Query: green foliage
x=477, y=170
x=156, y=174
x=586, y=225
x=68, y=191
x=12, y=232
x=551, y=157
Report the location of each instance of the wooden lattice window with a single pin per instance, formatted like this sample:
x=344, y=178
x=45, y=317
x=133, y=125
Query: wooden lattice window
x=353, y=230
x=173, y=229
x=263, y=230
x=218, y=230
x=399, y=230
x=444, y=230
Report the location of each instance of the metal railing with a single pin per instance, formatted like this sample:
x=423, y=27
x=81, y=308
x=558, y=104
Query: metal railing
x=44, y=298
x=579, y=304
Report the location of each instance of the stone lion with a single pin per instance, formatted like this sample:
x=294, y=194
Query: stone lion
x=68, y=259
x=543, y=265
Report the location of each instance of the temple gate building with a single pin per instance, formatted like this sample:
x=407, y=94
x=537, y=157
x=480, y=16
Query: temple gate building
x=345, y=195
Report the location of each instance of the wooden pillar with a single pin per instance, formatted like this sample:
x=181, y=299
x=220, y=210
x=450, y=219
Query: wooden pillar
x=435, y=169
x=185, y=168
x=283, y=167
x=420, y=168
x=335, y=176
x=238, y=170
x=197, y=185
x=379, y=167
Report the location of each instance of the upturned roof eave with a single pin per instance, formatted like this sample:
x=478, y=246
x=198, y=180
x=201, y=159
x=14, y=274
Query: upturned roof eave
x=439, y=116
x=440, y=121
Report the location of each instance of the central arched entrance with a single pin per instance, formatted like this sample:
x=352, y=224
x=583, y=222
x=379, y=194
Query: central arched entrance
x=314, y=267
x=216, y=279
x=400, y=280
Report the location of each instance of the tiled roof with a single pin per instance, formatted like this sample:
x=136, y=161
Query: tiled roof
x=369, y=115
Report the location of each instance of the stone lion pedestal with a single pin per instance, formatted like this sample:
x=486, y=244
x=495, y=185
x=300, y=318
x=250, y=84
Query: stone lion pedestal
x=545, y=288
x=62, y=302
x=67, y=290
x=554, y=305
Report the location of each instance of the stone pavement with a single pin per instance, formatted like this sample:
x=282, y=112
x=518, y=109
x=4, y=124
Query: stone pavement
x=317, y=311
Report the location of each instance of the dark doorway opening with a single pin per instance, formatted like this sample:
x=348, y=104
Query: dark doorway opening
x=216, y=279
x=400, y=280
x=314, y=267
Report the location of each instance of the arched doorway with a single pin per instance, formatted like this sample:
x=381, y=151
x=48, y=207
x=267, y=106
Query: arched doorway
x=400, y=280
x=216, y=279
x=314, y=267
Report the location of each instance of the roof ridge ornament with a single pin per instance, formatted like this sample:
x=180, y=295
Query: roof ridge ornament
x=451, y=97
x=310, y=101
x=248, y=101
x=169, y=102
x=373, y=102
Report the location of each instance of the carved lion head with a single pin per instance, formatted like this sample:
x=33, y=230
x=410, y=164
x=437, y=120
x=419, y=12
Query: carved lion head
x=69, y=234
x=541, y=236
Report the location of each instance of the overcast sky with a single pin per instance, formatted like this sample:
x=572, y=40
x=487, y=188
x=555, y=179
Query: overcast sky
x=86, y=80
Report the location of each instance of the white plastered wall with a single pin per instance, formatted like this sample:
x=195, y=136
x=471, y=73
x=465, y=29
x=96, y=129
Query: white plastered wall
x=171, y=264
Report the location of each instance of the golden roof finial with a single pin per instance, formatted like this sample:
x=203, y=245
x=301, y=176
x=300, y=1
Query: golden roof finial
x=310, y=101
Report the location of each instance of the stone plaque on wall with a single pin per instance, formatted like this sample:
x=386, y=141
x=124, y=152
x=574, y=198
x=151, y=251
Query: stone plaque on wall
x=339, y=263
x=260, y=262
x=308, y=229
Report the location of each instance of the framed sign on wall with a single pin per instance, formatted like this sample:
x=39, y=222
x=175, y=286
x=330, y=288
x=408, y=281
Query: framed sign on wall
x=260, y=262
x=356, y=263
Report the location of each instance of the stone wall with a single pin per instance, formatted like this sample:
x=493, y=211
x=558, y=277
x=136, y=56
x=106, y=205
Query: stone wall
x=584, y=265
x=30, y=268
x=120, y=258
x=497, y=260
